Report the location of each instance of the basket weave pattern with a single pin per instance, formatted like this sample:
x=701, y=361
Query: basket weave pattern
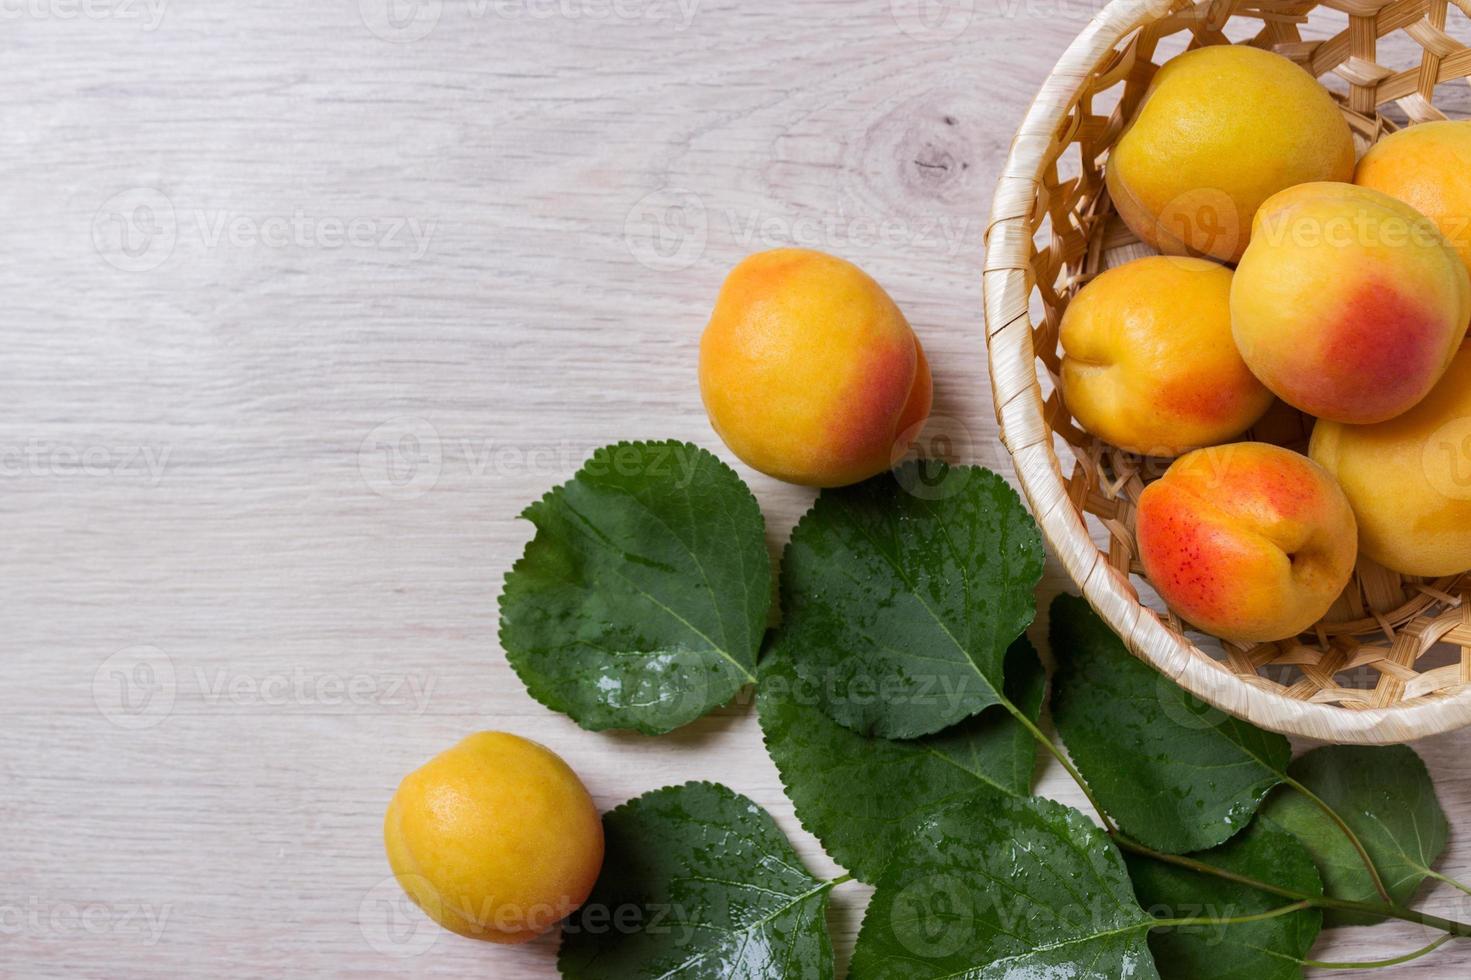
x=1392, y=661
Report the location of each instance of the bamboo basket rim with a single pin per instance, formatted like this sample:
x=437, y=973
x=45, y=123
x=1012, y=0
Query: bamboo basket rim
x=1025, y=433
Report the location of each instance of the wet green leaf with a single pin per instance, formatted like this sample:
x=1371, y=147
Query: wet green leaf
x=1265, y=950
x=858, y=794
x=1385, y=796
x=1173, y=776
x=902, y=594
x=642, y=599
x=699, y=882
x=1008, y=889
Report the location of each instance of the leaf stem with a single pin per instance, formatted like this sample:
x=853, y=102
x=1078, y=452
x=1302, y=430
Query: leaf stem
x=1353, y=838
x=1447, y=879
x=1061, y=757
x=1376, y=964
x=1236, y=920
x=843, y=880
x=1387, y=910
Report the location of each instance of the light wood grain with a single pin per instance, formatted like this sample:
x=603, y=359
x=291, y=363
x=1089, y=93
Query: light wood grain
x=295, y=593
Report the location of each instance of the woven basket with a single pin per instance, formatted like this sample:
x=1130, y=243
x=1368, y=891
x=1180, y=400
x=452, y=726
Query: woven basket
x=1392, y=661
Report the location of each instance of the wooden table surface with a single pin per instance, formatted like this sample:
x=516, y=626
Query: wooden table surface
x=302, y=303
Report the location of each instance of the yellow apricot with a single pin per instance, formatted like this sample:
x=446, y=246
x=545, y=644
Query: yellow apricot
x=1429, y=168
x=808, y=370
x=1409, y=479
x=1148, y=360
x=495, y=838
x=1221, y=129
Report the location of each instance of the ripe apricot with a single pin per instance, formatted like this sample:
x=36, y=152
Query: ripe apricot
x=808, y=370
x=1429, y=168
x=495, y=838
x=1221, y=129
x=1409, y=479
x=1348, y=304
x=1148, y=360
x=1250, y=542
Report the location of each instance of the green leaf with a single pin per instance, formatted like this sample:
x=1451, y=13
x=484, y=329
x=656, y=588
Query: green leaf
x=1005, y=888
x=642, y=599
x=902, y=594
x=699, y=882
x=1172, y=777
x=1265, y=950
x=1386, y=797
x=859, y=794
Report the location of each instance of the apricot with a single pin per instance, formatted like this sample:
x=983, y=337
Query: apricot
x=1429, y=168
x=809, y=372
x=495, y=838
x=1250, y=542
x=1348, y=304
x=1409, y=479
x=1148, y=360
x=1221, y=129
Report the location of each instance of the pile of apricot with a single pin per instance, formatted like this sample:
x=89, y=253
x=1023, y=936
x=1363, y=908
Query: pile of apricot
x=1349, y=300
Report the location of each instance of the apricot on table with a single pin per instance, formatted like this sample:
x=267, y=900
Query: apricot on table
x=1429, y=168
x=1249, y=541
x=809, y=371
x=1348, y=304
x=1148, y=360
x=495, y=838
x=1409, y=479
x=1221, y=129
